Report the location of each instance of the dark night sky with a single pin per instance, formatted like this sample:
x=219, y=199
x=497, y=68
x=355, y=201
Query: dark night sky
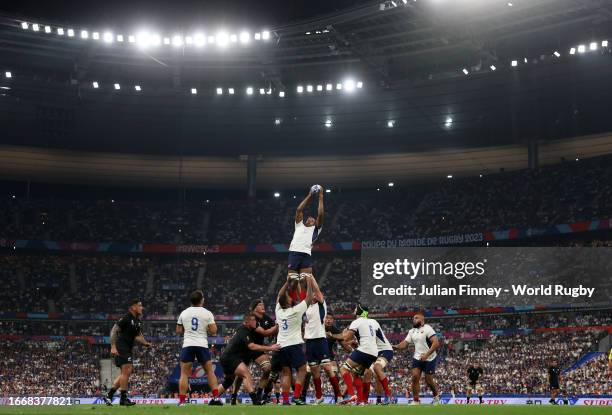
x=172, y=14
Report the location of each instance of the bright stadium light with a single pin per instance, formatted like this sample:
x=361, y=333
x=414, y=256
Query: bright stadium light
x=35, y=27
x=359, y=85
x=329, y=87
x=557, y=54
x=137, y=88
x=233, y=38
x=277, y=121
x=604, y=43
x=177, y=41
x=339, y=86
x=262, y=91
x=349, y=85
x=47, y=29
x=309, y=88
x=70, y=33
x=390, y=123
x=95, y=36
x=257, y=36
x=448, y=123
x=572, y=51
x=117, y=87
x=166, y=41
x=514, y=63
x=249, y=90
x=281, y=94
x=219, y=91
x=265, y=35
x=155, y=40
x=84, y=34
x=493, y=67
x=25, y=25
x=276, y=195
x=581, y=48
x=199, y=39
x=593, y=46
x=269, y=91
x=188, y=40
x=131, y=39
x=108, y=37
x=8, y=74
x=230, y=91
x=449, y=176
x=222, y=39
x=245, y=37
x=300, y=89
x=328, y=123
x=95, y=85
x=60, y=31
x=465, y=71
x=120, y=38
x=390, y=184
x=211, y=39
x=194, y=91
x=319, y=88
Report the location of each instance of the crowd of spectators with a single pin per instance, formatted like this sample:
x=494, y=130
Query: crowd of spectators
x=563, y=193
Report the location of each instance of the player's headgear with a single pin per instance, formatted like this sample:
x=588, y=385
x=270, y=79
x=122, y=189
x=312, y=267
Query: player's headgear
x=255, y=303
x=361, y=311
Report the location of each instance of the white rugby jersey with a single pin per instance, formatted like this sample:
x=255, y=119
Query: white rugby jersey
x=289, y=322
x=381, y=340
x=315, y=321
x=195, y=321
x=303, y=238
x=365, y=331
x=421, y=338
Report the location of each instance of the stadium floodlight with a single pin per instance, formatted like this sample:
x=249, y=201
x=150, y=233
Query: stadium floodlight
x=166, y=41
x=70, y=32
x=300, y=89
x=137, y=88
x=95, y=85
x=120, y=38
x=188, y=40
x=510, y=4
x=572, y=51
x=281, y=94
x=319, y=88
x=47, y=29
x=245, y=37
x=405, y=1
x=8, y=74
x=199, y=39
x=117, y=87
x=108, y=37
x=95, y=36
x=390, y=123
x=449, y=176
x=514, y=63
x=390, y=184
x=258, y=36
x=25, y=25
x=131, y=39
x=219, y=91
x=359, y=85
x=249, y=90
x=194, y=91
x=60, y=31
x=211, y=39
x=262, y=91
x=277, y=121
x=349, y=85
x=233, y=38
x=222, y=39
x=557, y=54
x=525, y=60
x=155, y=40
x=177, y=41
x=328, y=123
x=329, y=87
x=327, y=190
x=448, y=123
x=84, y=34
x=604, y=43
x=35, y=27
x=581, y=48
x=276, y=195
x=465, y=71
x=593, y=46
x=265, y=35
x=269, y=91
x=230, y=91
x=339, y=86
x=309, y=88
x=493, y=67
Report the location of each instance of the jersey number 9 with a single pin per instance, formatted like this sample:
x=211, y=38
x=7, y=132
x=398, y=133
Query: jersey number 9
x=194, y=323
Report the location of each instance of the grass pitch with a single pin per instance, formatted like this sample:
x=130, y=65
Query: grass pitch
x=308, y=410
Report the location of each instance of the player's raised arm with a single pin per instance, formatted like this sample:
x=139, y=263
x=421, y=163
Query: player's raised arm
x=283, y=290
x=320, y=209
x=309, y=289
x=317, y=294
x=299, y=212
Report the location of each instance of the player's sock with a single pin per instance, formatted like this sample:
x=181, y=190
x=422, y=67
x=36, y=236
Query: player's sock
x=348, y=381
x=385, y=384
x=480, y=399
x=366, y=391
x=468, y=399
x=335, y=385
x=111, y=393
x=254, y=398
x=123, y=395
x=378, y=399
x=215, y=393
x=358, y=388
x=182, y=398
x=285, y=397
x=297, y=391
x=278, y=397
x=416, y=398
x=318, y=388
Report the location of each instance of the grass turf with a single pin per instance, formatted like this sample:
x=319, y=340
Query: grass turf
x=308, y=410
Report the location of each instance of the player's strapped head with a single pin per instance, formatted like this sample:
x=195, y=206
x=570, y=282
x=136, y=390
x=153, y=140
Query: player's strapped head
x=361, y=311
x=249, y=320
x=257, y=303
x=196, y=298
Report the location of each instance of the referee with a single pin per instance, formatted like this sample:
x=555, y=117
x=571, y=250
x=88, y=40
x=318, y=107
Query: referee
x=122, y=337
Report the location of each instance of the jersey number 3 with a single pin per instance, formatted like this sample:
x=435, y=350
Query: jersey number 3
x=194, y=324
x=284, y=324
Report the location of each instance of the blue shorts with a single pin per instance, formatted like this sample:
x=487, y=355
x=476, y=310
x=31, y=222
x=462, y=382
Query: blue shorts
x=189, y=354
x=387, y=354
x=299, y=260
x=429, y=367
x=364, y=359
x=317, y=351
x=292, y=356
